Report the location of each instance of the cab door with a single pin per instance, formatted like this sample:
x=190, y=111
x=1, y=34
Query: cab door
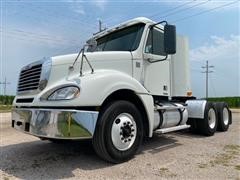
x=156, y=72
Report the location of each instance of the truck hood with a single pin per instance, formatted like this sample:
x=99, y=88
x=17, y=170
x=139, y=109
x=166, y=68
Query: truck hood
x=117, y=61
x=92, y=57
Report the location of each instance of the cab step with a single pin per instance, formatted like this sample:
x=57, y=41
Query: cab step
x=171, y=129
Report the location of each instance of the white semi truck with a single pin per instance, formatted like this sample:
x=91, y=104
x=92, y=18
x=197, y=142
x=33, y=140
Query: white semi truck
x=125, y=84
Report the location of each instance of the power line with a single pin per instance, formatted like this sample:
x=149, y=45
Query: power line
x=172, y=9
x=49, y=16
x=205, y=11
x=23, y=33
x=24, y=36
x=184, y=9
x=207, y=71
x=179, y=9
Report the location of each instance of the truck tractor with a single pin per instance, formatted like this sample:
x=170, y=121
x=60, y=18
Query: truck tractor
x=125, y=84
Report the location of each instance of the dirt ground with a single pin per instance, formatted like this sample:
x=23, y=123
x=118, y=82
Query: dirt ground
x=178, y=155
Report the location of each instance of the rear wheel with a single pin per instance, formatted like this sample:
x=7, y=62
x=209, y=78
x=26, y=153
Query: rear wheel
x=208, y=124
x=224, y=117
x=119, y=132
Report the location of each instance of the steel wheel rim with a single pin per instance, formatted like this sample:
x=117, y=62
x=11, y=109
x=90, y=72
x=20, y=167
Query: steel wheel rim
x=211, y=118
x=123, y=132
x=225, y=116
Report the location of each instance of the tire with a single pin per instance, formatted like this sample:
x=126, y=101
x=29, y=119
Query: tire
x=208, y=125
x=119, y=132
x=193, y=125
x=224, y=116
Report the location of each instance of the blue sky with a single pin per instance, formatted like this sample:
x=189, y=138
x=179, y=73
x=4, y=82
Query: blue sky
x=31, y=30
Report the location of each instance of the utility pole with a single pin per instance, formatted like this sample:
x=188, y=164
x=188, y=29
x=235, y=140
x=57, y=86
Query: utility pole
x=207, y=71
x=4, y=83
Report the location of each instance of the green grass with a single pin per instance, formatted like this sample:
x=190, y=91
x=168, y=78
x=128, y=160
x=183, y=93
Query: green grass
x=5, y=108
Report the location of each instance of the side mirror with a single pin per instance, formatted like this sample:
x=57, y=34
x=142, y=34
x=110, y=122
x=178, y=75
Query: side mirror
x=92, y=45
x=170, y=39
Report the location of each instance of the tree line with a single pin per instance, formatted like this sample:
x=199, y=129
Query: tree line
x=233, y=102
x=6, y=100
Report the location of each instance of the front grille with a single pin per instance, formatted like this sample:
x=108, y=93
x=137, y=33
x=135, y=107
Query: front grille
x=29, y=78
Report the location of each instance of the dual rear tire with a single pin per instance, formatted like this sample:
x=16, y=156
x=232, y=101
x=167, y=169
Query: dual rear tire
x=217, y=116
x=224, y=116
x=208, y=125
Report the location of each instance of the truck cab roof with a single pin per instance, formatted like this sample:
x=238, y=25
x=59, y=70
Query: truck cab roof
x=122, y=25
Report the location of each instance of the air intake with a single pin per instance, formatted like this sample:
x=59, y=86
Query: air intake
x=29, y=78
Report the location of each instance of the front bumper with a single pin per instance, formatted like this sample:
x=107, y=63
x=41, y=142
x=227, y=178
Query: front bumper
x=55, y=123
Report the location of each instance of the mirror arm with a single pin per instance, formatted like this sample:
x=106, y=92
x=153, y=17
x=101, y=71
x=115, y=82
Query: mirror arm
x=161, y=22
x=158, y=60
x=89, y=63
x=81, y=65
x=76, y=58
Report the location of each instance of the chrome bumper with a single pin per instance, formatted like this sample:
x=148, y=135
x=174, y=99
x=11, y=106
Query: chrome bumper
x=55, y=123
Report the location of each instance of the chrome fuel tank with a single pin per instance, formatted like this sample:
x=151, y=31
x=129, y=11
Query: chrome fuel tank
x=170, y=115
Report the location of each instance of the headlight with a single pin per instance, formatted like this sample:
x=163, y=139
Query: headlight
x=65, y=93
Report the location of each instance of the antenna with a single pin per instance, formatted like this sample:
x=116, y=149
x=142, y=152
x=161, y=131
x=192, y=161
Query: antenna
x=100, y=27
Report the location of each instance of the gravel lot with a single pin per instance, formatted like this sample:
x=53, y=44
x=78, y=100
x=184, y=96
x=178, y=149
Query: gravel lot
x=179, y=155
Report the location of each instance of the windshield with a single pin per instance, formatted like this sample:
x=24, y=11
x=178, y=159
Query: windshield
x=126, y=39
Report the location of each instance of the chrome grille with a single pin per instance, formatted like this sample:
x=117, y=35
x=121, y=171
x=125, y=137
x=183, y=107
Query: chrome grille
x=29, y=78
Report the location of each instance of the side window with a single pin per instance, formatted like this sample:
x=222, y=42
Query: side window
x=155, y=44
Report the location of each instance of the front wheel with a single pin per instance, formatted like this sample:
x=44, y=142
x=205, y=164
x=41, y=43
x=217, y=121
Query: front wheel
x=119, y=132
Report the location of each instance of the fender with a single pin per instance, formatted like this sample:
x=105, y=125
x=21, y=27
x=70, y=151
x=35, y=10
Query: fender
x=95, y=88
x=98, y=86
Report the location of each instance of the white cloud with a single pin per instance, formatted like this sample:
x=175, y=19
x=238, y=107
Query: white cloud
x=100, y=3
x=79, y=6
x=224, y=54
x=76, y=6
x=220, y=48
